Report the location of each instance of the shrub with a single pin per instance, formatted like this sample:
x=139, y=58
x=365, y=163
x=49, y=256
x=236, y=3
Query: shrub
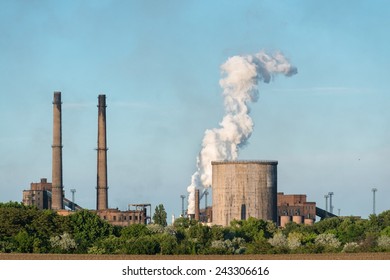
x=63, y=243
x=278, y=240
x=235, y=246
x=294, y=240
x=384, y=242
x=328, y=241
x=155, y=228
x=351, y=247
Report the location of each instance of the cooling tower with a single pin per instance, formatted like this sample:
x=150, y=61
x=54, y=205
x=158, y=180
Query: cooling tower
x=243, y=189
x=101, y=188
x=57, y=187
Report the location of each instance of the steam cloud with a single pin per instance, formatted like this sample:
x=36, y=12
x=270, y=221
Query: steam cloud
x=242, y=75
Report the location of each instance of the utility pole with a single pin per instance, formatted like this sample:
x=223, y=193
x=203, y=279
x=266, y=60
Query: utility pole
x=206, y=192
x=330, y=202
x=73, y=191
x=374, y=190
x=326, y=202
x=182, y=204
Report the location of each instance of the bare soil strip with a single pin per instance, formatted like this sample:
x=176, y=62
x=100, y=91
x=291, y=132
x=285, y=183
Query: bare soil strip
x=337, y=256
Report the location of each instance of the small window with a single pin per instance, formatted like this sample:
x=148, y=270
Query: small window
x=114, y=218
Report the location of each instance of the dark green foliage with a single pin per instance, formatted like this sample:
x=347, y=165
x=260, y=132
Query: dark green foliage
x=160, y=216
x=351, y=230
x=327, y=225
x=134, y=231
x=87, y=228
x=168, y=244
x=259, y=246
x=184, y=223
x=379, y=222
x=29, y=230
x=143, y=245
x=217, y=232
x=13, y=205
x=252, y=229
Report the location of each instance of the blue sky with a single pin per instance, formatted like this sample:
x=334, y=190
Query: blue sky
x=158, y=62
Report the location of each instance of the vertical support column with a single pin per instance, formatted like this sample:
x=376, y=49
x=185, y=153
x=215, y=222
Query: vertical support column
x=374, y=190
x=182, y=205
x=57, y=186
x=197, y=210
x=102, y=194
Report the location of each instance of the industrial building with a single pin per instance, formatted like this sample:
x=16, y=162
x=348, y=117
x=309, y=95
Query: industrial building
x=45, y=195
x=243, y=189
x=290, y=208
x=295, y=208
x=40, y=195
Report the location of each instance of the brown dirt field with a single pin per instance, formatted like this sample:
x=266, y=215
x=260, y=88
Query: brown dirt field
x=339, y=256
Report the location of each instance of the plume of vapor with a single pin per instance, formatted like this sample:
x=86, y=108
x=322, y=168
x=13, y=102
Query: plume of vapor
x=241, y=76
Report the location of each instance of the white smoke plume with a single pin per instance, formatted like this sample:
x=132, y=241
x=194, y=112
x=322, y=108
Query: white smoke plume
x=241, y=76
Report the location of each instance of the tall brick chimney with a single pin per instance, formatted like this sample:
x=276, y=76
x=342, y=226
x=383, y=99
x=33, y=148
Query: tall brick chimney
x=57, y=186
x=102, y=193
x=197, y=206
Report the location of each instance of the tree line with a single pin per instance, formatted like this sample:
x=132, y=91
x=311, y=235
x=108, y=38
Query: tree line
x=25, y=229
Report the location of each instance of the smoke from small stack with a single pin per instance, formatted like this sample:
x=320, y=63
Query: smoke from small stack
x=57, y=183
x=242, y=75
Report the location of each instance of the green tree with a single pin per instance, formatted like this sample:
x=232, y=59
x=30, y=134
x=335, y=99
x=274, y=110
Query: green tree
x=24, y=242
x=108, y=245
x=351, y=229
x=168, y=244
x=143, y=245
x=88, y=228
x=135, y=231
x=200, y=236
x=17, y=221
x=252, y=229
x=160, y=216
x=327, y=225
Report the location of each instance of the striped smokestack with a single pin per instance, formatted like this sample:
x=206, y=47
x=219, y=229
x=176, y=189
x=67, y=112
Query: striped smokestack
x=57, y=187
x=102, y=194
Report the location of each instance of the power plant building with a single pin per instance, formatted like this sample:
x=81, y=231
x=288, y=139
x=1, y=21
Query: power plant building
x=38, y=195
x=295, y=208
x=46, y=195
x=243, y=189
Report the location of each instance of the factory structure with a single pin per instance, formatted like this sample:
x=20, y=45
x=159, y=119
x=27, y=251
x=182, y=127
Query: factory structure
x=240, y=189
x=243, y=189
x=46, y=195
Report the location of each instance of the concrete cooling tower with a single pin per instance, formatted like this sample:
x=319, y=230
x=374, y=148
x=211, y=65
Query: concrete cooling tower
x=243, y=189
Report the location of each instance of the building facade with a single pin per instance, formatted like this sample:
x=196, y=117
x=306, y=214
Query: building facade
x=295, y=208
